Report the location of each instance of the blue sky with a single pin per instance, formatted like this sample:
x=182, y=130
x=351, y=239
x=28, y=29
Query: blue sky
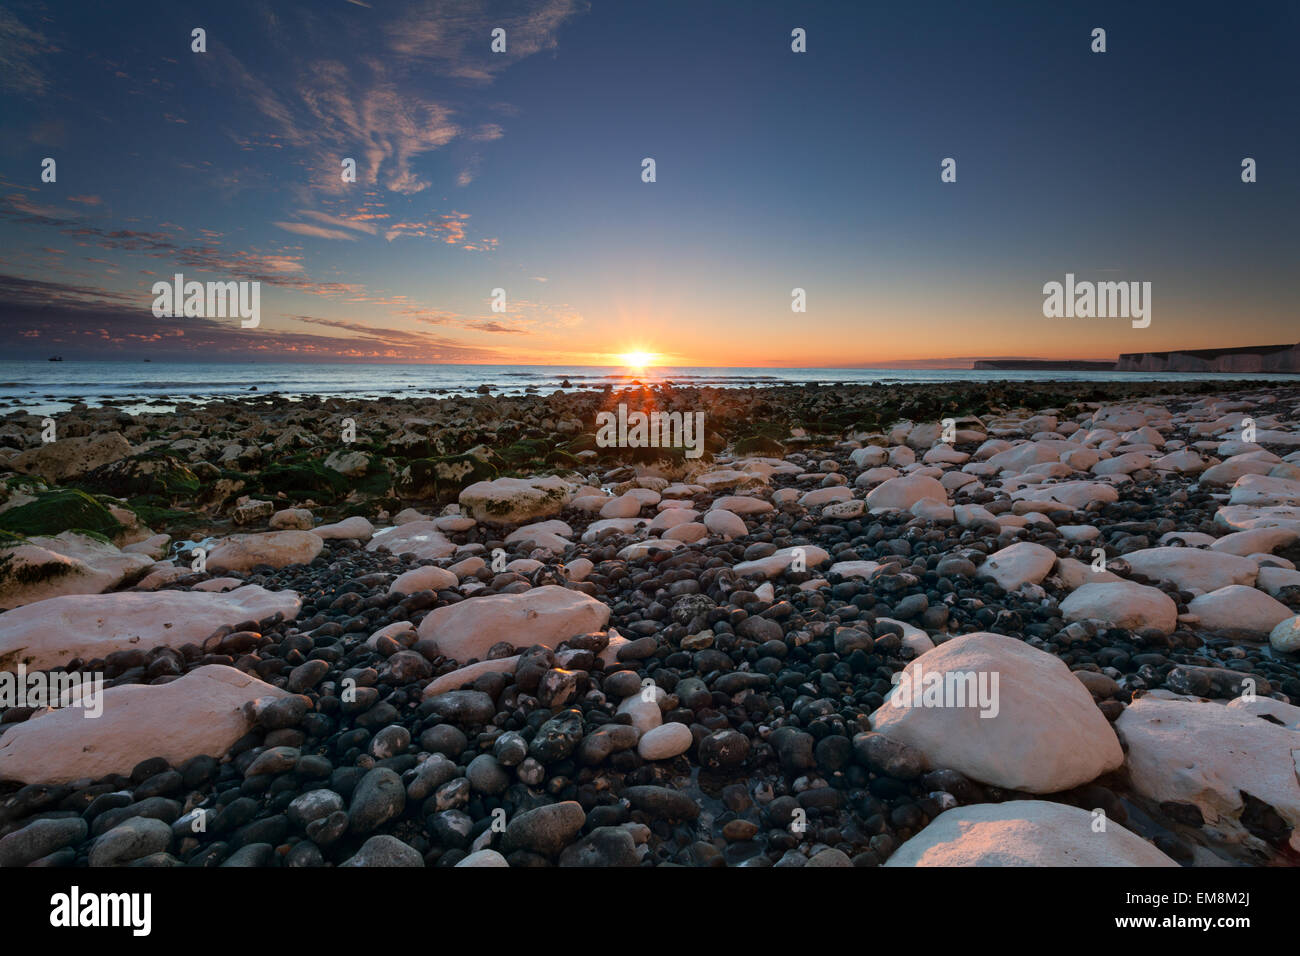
x=521, y=171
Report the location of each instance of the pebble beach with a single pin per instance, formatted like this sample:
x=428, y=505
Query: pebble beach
x=937, y=624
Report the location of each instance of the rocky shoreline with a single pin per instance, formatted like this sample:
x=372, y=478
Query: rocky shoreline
x=460, y=632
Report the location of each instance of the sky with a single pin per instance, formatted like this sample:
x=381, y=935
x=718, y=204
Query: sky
x=523, y=171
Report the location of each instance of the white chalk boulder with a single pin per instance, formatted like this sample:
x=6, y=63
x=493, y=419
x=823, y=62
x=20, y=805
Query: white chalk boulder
x=279, y=549
x=515, y=500
x=421, y=538
x=1122, y=604
x=427, y=578
x=1206, y=754
x=1285, y=637
x=799, y=558
x=1001, y=712
x=1237, y=607
x=356, y=528
x=50, y=633
x=1024, y=833
x=1018, y=564
x=68, y=563
x=903, y=492
x=1193, y=569
x=200, y=713
x=546, y=615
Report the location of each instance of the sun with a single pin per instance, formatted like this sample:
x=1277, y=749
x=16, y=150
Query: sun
x=637, y=359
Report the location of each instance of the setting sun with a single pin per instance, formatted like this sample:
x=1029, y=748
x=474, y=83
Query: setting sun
x=637, y=359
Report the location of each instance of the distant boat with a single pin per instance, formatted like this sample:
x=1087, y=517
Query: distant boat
x=56, y=358
x=148, y=360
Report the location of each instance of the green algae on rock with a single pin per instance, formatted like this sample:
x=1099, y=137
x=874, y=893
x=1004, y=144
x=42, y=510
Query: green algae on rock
x=63, y=509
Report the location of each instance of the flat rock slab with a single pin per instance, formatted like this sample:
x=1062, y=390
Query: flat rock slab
x=865, y=570
x=1288, y=715
x=355, y=528
x=741, y=505
x=1239, y=608
x=1024, y=833
x=1248, y=517
x=470, y=673
x=421, y=538
x=1259, y=540
x=68, y=563
x=1072, y=495
x=50, y=633
x=546, y=615
x=612, y=528
x=1193, y=569
x=780, y=561
x=278, y=549
x=1043, y=734
x=1208, y=755
x=200, y=713
x=729, y=479
x=1264, y=490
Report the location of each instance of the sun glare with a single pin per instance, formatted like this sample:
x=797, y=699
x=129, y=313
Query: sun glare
x=637, y=359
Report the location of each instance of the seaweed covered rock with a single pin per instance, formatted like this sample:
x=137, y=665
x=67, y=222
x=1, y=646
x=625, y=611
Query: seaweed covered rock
x=353, y=464
x=759, y=445
x=442, y=477
x=303, y=478
x=63, y=509
x=151, y=474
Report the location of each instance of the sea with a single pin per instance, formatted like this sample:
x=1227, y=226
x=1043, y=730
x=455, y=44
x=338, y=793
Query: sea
x=43, y=387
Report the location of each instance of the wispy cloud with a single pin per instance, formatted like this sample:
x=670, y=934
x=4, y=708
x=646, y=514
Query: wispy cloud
x=22, y=49
x=447, y=227
x=497, y=328
x=436, y=317
x=376, y=108
x=316, y=232
x=455, y=37
x=360, y=223
x=526, y=316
